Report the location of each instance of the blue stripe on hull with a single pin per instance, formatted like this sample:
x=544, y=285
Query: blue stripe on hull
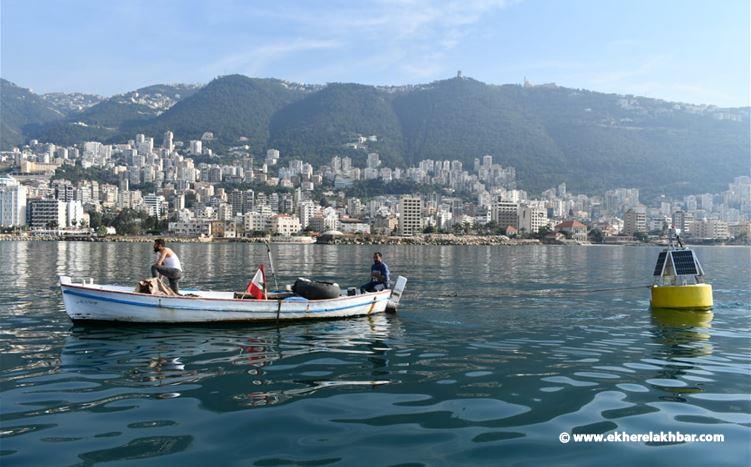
x=177, y=307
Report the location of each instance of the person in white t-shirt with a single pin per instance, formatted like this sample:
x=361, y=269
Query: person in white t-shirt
x=167, y=264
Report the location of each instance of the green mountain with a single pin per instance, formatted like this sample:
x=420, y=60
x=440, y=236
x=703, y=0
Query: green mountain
x=591, y=141
x=20, y=107
x=464, y=119
x=658, y=146
x=317, y=126
x=232, y=107
x=107, y=119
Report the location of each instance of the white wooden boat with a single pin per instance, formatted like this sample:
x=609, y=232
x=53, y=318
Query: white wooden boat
x=87, y=301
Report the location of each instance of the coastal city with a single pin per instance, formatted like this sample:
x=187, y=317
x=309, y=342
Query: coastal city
x=432, y=233
x=186, y=190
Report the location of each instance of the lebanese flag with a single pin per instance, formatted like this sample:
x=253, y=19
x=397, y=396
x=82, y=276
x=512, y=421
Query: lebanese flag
x=257, y=285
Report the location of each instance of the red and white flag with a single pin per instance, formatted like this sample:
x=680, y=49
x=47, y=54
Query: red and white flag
x=257, y=285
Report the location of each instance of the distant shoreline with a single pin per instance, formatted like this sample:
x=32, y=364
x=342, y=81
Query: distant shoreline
x=344, y=240
x=432, y=239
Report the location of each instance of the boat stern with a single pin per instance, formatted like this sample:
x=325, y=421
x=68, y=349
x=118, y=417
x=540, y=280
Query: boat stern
x=396, y=294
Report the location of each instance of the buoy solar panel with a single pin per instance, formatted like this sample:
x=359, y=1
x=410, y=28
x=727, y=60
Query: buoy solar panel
x=660, y=263
x=684, y=263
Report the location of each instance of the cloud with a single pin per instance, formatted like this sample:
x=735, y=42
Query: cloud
x=254, y=60
x=410, y=39
x=376, y=41
x=624, y=75
x=421, y=19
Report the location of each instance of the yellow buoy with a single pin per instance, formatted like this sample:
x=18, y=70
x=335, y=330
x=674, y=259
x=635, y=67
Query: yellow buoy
x=679, y=279
x=690, y=296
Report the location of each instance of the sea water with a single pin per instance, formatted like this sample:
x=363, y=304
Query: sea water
x=494, y=353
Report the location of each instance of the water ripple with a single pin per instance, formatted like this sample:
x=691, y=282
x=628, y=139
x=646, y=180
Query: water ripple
x=492, y=379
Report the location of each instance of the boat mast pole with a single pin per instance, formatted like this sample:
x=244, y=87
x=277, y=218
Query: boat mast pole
x=674, y=235
x=671, y=232
x=271, y=264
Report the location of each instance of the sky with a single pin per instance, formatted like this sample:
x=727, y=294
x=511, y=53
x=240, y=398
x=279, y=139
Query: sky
x=694, y=51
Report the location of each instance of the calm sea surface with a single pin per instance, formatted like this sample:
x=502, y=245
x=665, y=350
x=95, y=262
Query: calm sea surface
x=489, y=359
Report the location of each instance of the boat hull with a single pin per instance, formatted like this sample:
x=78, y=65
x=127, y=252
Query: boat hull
x=683, y=297
x=94, y=303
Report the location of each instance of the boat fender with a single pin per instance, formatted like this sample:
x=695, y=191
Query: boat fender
x=316, y=290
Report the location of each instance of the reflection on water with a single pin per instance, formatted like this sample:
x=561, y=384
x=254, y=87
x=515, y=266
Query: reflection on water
x=266, y=365
x=683, y=335
x=480, y=377
x=669, y=318
x=683, y=332
x=141, y=448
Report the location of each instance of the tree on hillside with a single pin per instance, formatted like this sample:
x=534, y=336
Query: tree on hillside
x=595, y=235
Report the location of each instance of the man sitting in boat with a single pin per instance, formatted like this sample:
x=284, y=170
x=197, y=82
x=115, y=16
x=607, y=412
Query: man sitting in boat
x=379, y=275
x=166, y=264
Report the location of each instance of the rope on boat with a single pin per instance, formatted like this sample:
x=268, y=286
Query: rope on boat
x=543, y=292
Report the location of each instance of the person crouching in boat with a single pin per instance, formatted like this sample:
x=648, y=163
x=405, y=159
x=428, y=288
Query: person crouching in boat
x=167, y=264
x=379, y=275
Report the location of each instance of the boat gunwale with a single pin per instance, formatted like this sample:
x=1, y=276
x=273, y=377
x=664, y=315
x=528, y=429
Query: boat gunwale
x=243, y=300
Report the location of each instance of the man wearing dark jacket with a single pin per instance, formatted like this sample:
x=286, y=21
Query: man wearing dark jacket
x=379, y=275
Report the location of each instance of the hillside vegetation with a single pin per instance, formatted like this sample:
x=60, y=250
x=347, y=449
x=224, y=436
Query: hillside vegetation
x=20, y=107
x=589, y=140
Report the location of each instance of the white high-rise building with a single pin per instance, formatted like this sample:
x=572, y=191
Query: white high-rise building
x=505, y=213
x=47, y=214
x=153, y=204
x=283, y=224
x=224, y=212
x=346, y=164
x=682, y=220
x=487, y=161
x=374, y=160
x=336, y=164
x=710, y=229
x=168, y=142
x=75, y=215
x=532, y=217
x=257, y=221
x=92, y=148
x=635, y=220
x=146, y=146
x=370, y=173
x=12, y=202
x=306, y=209
x=196, y=147
x=272, y=157
x=410, y=215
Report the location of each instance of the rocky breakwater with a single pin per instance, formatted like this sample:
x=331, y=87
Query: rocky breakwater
x=431, y=239
x=108, y=238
